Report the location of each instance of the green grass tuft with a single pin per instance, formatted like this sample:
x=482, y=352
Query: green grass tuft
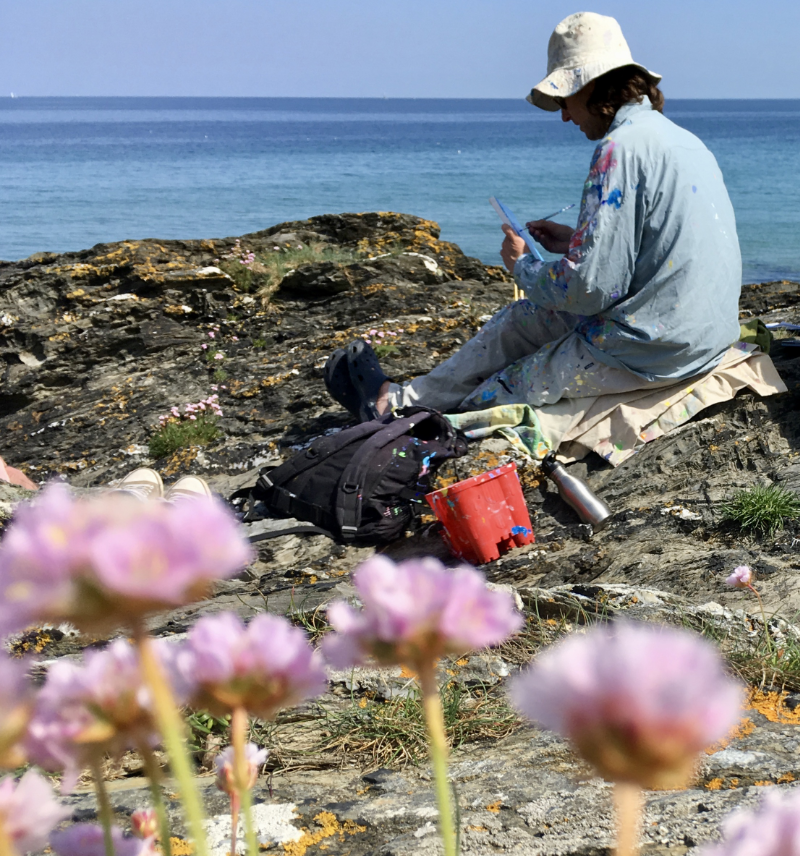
x=392, y=733
x=180, y=435
x=265, y=271
x=762, y=510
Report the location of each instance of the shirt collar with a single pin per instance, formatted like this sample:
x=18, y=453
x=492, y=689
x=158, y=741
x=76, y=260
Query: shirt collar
x=627, y=110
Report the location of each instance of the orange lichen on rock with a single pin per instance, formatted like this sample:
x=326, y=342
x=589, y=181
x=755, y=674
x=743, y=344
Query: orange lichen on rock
x=772, y=706
x=494, y=807
x=741, y=729
x=329, y=826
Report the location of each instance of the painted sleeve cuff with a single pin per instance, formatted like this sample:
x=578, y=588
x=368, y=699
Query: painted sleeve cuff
x=526, y=270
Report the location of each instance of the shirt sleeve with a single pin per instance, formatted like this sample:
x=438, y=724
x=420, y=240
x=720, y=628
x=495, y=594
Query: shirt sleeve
x=598, y=268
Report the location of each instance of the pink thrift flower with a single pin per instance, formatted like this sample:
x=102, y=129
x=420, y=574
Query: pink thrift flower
x=100, y=706
x=16, y=704
x=204, y=346
x=771, y=829
x=105, y=560
x=263, y=667
x=381, y=334
x=742, y=577
x=415, y=612
x=234, y=338
x=144, y=823
x=211, y=334
x=219, y=356
x=638, y=702
x=86, y=839
x=223, y=767
x=29, y=811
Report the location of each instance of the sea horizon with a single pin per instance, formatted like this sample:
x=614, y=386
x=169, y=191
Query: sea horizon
x=80, y=170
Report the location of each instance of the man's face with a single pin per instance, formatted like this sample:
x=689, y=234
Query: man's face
x=574, y=109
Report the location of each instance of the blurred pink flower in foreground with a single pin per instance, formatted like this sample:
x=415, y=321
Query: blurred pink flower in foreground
x=144, y=823
x=263, y=667
x=102, y=706
x=638, y=702
x=224, y=763
x=86, y=839
x=415, y=612
x=29, y=811
x=742, y=577
x=109, y=559
x=16, y=704
x=771, y=829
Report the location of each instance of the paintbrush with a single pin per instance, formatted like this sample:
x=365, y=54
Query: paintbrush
x=560, y=211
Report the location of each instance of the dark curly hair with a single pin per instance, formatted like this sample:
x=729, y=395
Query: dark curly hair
x=620, y=86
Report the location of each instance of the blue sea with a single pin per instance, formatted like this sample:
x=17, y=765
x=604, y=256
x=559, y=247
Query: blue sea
x=79, y=171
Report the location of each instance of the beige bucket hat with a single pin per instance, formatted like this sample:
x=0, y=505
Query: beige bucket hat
x=582, y=48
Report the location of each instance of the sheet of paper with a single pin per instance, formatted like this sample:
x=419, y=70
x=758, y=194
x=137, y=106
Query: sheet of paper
x=507, y=216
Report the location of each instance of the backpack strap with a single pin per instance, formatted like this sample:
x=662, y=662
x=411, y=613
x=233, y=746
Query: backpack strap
x=270, y=483
x=351, y=484
x=290, y=530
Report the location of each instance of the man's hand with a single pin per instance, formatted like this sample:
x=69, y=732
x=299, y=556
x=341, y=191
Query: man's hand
x=513, y=247
x=554, y=237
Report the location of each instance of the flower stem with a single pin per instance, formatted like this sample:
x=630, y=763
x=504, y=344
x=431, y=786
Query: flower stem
x=153, y=771
x=434, y=720
x=171, y=726
x=235, y=805
x=763, y=618
x=6, y=845
x=241, y=776
x=628, y=802
x=103, y=806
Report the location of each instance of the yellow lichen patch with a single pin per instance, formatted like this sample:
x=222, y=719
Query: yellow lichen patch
x=34, y=641
x=79, y=292
x=407, y=673
x=494, y=807
x=741, y=729
x=329, y=826
x=785, y=779
x=180, y=461
x=772, y=706
x=180, y=846
x=373, y=289
x=719, y=783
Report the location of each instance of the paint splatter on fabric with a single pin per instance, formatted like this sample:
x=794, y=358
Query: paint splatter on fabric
x=653, y=265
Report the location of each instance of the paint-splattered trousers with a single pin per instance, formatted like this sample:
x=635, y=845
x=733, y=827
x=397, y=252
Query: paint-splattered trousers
x=523, y=355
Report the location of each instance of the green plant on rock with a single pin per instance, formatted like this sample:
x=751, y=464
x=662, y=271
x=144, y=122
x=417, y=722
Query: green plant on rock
x=196, y=425
x=762, y=509
x=180, y=435
x=263, y=271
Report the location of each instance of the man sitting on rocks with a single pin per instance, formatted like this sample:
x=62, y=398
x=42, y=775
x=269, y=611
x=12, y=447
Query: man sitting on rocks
x=646, y=292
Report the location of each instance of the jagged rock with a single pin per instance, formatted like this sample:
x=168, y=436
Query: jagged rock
x=96, y=345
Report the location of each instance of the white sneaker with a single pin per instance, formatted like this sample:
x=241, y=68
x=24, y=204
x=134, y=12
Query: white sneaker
x=188, y=487
x=143, y=483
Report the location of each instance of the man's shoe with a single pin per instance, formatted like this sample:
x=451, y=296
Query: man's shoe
x=143, y=483
x=367, y=377
x=188, y=487
x=338, y=383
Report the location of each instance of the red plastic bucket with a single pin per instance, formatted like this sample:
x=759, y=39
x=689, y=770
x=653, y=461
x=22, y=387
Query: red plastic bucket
x=484, y=516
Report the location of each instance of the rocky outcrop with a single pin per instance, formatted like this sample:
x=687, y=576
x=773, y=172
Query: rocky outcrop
x=97, y=345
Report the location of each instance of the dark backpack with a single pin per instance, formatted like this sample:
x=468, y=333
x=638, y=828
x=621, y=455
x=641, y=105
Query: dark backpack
x=364, y=485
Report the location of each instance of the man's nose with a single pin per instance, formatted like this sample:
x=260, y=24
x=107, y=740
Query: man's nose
x=565, y=117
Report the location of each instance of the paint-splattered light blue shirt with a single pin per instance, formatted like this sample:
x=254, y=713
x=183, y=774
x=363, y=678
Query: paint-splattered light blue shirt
x=654, y=267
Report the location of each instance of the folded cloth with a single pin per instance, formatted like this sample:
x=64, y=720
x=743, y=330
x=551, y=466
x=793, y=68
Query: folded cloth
x=756, y=332
x=14, y=476
x=617, y=425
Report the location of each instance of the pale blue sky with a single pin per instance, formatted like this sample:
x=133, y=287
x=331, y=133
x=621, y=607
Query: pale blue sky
x=412, y=48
